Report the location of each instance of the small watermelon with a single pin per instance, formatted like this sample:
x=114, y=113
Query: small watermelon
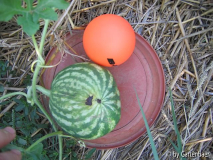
x=85, y=100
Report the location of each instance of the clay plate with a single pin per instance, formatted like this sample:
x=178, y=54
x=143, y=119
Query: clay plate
x=142, y=70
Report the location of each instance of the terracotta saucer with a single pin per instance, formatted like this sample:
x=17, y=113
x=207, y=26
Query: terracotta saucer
x=143, y=70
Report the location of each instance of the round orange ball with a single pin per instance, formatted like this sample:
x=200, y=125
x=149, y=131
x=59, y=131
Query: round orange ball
x=109, y=40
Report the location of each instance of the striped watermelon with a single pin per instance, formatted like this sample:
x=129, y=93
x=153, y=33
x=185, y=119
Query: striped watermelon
x=85, y=101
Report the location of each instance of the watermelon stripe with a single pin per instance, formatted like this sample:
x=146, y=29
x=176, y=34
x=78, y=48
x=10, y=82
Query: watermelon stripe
x=84, y=81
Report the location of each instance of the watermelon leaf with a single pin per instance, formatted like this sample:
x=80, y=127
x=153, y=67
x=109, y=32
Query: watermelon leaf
x=34, y=153
x=29, y=16
x=9, y=8
x=37, y=149
x=28, y=25
x=60, y=4
x=45, y=14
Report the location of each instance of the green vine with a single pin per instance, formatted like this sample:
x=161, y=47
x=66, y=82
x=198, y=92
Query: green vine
x=34, y=86
x=43, y=90
x=43, y=138
x=12, y=8
x=13, y=94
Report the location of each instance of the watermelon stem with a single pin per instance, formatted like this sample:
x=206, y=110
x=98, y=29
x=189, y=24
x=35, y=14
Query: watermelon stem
x=13, y=94
x=39, y=65
x=35, y=96
x=99, y=101
x=43, y=37
x=43, y=138
x=43, y=90
x=37, y=102
x=40, y=58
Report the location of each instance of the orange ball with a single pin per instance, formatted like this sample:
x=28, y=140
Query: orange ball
x=109, y=40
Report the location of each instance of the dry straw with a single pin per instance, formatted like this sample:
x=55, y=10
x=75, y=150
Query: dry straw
x=180, y=31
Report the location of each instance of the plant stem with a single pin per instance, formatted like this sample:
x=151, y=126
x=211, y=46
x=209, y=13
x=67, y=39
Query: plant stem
x=13, y=94
x=37, y=50
x=35, y=75
x=60, y=147
x=35, y=96
x=43, y=138
x=43, y=90
x=35, y=44
x=43, y=36
x=36, y=72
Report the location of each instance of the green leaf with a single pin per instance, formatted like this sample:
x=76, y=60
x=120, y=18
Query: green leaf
x=177, y=150
x=25, y=131
x=29, y=26
x=29, y=16
x=90, y=153
x=74, y=154
x=1, y=88
x=179, y=142
x=26, y=111
x=31, y=156
x=33, y=114
x=45, y=14
x=34, y=153
x=22, y=141
x=9, y=8
x=60, y=4
x=37, y=149
x=75, y=158
x=19, y=108
x=154, y=151
x=175, y=147
x=29, y=4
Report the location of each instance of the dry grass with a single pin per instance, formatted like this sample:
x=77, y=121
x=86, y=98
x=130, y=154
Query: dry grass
x=180, y=31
